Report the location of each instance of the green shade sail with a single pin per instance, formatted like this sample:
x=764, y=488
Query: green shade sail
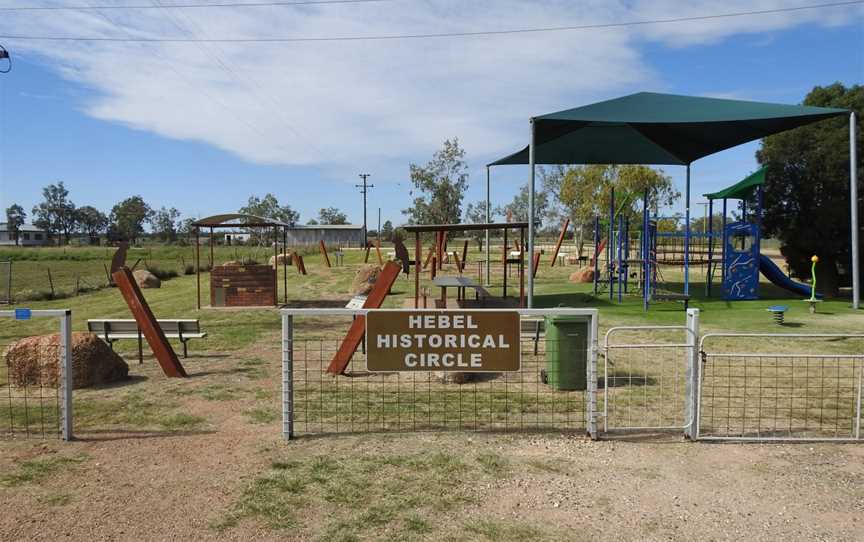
x=741, y=189
x=652, y=128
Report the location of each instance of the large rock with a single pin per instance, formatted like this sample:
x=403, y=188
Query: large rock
x=365, y=279
x=35, y=361
x=146, y=279
x=583, y=275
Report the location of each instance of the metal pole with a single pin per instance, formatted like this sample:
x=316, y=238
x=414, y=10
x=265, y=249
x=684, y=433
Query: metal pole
x=723, y=248
x=687, y=235
x=198, y=265
x=710, y=246
x=694, y=367
x=531, y=159
x=288, y=376
x=646, y=253
x=853, y=197
x=488, y=220
x=66, y=373
x=610, y=243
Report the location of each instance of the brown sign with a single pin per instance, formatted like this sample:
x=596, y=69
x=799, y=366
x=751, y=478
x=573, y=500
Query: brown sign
x=461, y=341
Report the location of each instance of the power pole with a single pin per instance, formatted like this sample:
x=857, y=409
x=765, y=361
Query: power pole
x=379, y=223
x=363, y=189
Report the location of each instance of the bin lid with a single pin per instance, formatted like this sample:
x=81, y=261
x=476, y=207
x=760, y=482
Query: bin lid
x=557, y=319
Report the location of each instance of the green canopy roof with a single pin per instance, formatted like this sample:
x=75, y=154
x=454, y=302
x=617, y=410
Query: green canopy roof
x=741, y=189
x=652, y=128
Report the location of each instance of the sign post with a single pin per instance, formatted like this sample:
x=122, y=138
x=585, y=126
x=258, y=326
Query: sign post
x=459, y=341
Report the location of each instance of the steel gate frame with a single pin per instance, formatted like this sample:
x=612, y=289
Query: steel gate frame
x=857, y=437
x=691, y=372
x=287, y=340
x=65, y=361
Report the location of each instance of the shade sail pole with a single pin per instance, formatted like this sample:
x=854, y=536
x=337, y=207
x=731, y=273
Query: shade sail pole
x=488, y=221
x=531, y=148
x=687, y=234
x=853, y=196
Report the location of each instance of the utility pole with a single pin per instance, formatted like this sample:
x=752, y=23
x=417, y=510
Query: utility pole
x=379, y=223
x=364, y=188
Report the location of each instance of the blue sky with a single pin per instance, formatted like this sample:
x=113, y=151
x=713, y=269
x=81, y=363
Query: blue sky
x=201, y=128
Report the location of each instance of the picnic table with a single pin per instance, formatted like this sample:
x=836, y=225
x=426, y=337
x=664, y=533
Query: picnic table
x=461, y=283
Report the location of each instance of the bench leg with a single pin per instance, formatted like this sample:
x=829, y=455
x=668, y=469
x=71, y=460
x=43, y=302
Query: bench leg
x=185, y=351
x=140, y=348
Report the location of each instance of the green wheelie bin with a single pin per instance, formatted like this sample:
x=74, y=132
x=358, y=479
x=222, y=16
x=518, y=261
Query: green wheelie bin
x=567, y=352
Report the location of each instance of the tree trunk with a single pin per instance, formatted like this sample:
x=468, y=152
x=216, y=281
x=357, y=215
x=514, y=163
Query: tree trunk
x=827, y=278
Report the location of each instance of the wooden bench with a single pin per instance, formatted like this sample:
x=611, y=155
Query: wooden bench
x=533, y=328
x=670, y=296
x=116, y=330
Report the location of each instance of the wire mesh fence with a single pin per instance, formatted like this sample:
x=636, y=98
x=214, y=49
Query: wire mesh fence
x=542, y=395
x=35, y=394
x=798, y=387
x=644, y=377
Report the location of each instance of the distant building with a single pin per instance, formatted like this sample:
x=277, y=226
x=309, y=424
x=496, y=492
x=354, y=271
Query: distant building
x=28, y=236
x=345, y=235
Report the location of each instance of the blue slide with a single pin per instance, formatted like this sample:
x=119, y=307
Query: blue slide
x=778, y=277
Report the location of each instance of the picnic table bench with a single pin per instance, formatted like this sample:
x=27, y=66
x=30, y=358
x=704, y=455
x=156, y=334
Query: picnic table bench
x=461, y=284
x=118, y=329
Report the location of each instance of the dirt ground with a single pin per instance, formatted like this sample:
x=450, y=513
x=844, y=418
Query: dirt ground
x=204, y=459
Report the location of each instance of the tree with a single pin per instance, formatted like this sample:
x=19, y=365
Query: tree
x=586, y=192
x=165, y=223
x=440, y=187
x=92, y=222
x=807, y=187
x=332, y=215
x=268, y=207
x=475, y=213
x=517, y=209
x=15, y=217
x=387, y=231
x=56, y=214
x=311, y=222
x=127, y=219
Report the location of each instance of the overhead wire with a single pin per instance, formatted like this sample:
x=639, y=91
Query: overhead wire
x=465, y=34
x=216, y=54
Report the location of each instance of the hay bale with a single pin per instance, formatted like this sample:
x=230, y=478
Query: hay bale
x=280, y=258
x=146, y=279
x=583, y=275
x=365, y=279
x=36, y=360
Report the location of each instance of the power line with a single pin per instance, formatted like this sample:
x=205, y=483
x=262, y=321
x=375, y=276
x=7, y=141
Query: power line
x=479, y=33
x=191, y=5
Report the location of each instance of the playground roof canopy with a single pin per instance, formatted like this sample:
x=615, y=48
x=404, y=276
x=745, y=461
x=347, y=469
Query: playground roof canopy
x=652, y=128
x=237, y=220
x=742, y=189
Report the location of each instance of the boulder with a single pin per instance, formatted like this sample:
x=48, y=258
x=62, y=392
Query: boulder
x=146, y=279
x=278, y=259
x=365, y=279
x=583, y=275
x=35, y=361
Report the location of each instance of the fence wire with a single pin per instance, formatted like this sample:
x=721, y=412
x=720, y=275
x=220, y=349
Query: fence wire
x=808, y=390
x=359, y=401
x=31, y=390
x=644, y=378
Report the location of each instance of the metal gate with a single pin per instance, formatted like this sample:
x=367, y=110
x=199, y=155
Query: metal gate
x=648, y=375
x=780, y=387
x=35, y=377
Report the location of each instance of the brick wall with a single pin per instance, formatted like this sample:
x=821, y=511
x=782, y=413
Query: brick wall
x=243, y=285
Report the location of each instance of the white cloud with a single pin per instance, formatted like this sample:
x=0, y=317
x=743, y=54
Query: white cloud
x=332, y=104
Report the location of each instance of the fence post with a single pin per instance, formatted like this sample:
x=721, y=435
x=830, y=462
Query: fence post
x=66, y=374
x=858, y=403
x=691, y=414
x=288, y=376
x=591, y=408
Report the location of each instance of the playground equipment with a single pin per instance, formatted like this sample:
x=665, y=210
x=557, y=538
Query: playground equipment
x=741, y=259
x=812, y=301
